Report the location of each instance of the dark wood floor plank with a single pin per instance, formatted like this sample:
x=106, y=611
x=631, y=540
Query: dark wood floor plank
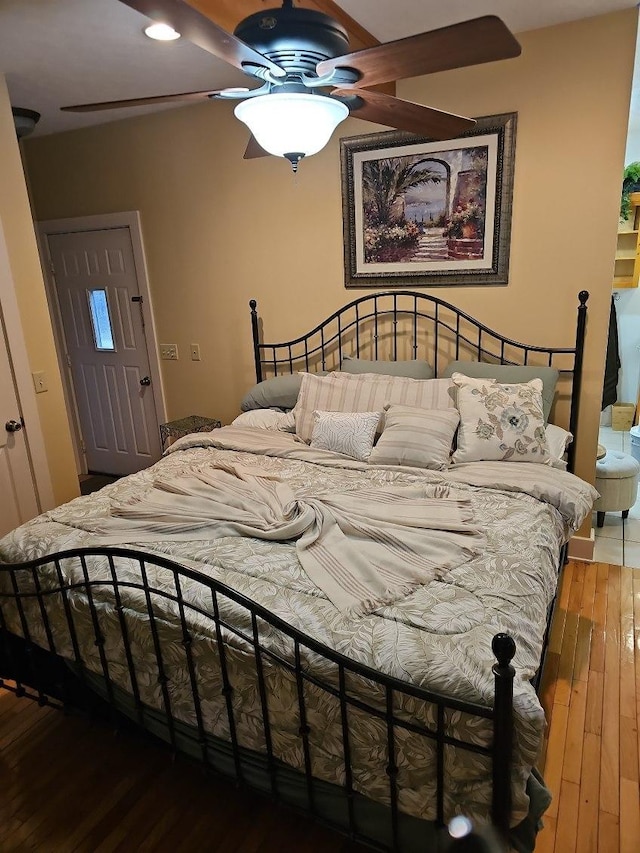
x=8, y=702
x=99, y=794
x=132, y=828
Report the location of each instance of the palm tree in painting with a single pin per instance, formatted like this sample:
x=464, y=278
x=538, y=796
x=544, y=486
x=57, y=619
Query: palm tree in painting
x=388, y=236
x=384, y=181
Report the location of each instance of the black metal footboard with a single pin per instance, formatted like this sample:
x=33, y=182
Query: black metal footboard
x=174, y=641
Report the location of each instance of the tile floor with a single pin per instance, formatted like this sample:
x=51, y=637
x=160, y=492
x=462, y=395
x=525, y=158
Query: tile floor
x=618, y=541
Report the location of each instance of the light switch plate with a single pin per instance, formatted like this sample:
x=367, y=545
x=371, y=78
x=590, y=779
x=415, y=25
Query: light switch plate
x=39, y=381
x=169, y=352
x=195, y=352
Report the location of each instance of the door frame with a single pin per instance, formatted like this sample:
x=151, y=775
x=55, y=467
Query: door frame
x=23, y=382
x=129, y=219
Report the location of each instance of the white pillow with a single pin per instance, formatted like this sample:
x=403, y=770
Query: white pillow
x=266, y=419
x=558, y=440
x=421, y=438
x=349, y=433
x=365, y=392
x=500, y=422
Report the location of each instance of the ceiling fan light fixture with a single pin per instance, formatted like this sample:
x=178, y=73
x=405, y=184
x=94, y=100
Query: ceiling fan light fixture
x=24, y=120
x=292, y=123
x=161, y=32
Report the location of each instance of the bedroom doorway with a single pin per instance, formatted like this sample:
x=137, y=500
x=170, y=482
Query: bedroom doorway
x=106, y=340
x=25, y=484
x=19, y=502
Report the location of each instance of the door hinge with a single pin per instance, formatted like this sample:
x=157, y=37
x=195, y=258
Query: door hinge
x=139, y=300
x=68, y=357
x=83, y=446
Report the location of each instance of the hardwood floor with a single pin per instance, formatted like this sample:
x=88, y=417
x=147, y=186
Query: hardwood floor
x=591, y=693
x=67, y=784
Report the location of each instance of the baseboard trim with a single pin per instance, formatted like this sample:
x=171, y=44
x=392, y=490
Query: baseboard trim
x=581, y=547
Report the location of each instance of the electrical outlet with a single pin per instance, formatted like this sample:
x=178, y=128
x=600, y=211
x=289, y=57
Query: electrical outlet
x=39, y=381
x=169, y=352
x=195, y=352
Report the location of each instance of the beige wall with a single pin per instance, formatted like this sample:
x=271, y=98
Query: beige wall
x=219, y=230
x=17, y=224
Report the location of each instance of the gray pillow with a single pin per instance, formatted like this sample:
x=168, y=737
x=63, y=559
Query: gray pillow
x=410, y=369
x=509, y=374
x=277, y=392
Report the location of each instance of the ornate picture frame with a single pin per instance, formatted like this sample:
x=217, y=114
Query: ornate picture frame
x=419, y=212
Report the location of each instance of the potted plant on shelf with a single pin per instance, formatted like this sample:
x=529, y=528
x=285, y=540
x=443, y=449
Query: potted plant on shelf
x=630, y=185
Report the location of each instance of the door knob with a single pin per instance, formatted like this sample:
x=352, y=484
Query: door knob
x=145, y=380
x=13, y=426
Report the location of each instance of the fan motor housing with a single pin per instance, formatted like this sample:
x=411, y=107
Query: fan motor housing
x=296, y=39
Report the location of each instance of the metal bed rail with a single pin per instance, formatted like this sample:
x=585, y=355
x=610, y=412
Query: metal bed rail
x=47, y=602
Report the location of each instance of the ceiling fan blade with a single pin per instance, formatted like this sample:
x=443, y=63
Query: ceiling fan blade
x=254, y=149
x=471, y=42
x=141, y=102
x=203, y=32
x=405, y=115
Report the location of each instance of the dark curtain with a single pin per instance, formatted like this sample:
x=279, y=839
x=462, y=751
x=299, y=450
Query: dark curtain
x=612, y=363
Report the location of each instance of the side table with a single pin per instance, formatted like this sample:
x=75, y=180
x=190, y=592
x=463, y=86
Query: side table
x=184, y=426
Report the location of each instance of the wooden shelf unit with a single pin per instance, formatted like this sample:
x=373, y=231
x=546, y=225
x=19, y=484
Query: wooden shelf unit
x=626, y=270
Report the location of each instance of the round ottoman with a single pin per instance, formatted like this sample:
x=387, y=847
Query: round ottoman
x=617, y=483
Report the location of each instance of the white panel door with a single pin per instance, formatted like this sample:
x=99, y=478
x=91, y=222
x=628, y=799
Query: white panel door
x=18, y=502
x=98, y=295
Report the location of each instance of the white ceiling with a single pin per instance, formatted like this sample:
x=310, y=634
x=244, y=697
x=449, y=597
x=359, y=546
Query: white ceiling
x=57, y=52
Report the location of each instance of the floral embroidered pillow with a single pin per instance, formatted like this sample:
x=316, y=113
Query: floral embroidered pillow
x=500, y=422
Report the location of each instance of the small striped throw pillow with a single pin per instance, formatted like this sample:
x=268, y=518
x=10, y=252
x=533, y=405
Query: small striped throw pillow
x=421, y=438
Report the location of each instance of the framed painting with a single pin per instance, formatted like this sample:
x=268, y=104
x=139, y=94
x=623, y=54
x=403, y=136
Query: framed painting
x=419, y=212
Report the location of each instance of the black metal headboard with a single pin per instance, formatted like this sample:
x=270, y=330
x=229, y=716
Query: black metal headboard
x=405, y=324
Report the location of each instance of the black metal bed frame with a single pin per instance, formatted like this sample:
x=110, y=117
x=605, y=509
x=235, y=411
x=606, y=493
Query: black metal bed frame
x=47, y=678
x=30, y=642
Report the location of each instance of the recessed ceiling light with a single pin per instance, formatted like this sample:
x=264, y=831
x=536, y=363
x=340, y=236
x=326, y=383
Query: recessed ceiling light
x=161, y=32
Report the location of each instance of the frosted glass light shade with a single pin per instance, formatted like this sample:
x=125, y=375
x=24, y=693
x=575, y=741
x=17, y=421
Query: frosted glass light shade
x=291, y=123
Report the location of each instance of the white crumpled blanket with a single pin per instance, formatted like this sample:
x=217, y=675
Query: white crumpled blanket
x=362, y=550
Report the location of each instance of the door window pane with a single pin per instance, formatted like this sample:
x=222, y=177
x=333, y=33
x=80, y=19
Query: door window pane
x=100, y=320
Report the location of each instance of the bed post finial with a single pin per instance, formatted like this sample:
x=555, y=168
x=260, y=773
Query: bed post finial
x=504, y=649
x=581, y=328
x=255, y=336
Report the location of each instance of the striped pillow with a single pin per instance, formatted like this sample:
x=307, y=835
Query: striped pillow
x=421, y=438
x=365, y=392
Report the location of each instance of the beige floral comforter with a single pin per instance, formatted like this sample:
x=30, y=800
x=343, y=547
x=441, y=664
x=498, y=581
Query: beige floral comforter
x=438, y=636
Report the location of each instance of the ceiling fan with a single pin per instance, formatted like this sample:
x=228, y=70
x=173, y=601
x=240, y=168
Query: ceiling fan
x=310, y=82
